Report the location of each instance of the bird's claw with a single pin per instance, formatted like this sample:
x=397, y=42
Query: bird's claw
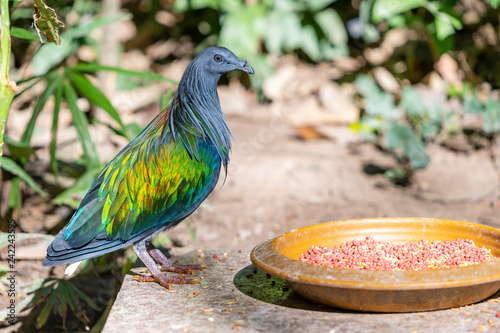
x=181, y=269
x=165, y=280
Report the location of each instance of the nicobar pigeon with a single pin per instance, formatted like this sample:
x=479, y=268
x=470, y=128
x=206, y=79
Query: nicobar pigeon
x=159, y=178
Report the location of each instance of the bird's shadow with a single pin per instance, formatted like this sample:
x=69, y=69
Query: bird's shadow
x=267, y=288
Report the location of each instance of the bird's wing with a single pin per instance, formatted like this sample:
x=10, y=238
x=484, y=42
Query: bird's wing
x=151, y=183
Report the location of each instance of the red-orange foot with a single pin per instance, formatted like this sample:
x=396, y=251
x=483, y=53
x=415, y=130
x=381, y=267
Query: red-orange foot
x=165, y=280
x=148, y=254
x=178, y=268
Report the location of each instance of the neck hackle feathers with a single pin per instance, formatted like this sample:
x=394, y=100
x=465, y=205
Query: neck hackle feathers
x=196, y=113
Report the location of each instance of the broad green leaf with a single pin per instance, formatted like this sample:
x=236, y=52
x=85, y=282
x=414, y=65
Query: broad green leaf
x=491, y=116
x=317, y=5
x=81, y=126
x=446, y=21
x=281, y=31
x=385, y=9
x=402, y=137
x=332, y=25
x=49, y=55
x=310, y=43
x=329, y=51
x=377, y=102
x=242, y=22
x=46, y=22
x=23, y=34
x=370, y=31
x=52, y=82
x=494, y=3
x=472, y=104
x=444, y=27
x=412, y=102
x=95, y=96
x=12, y=167
x=91, y=68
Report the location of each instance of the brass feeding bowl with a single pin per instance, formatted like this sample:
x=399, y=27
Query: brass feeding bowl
x=383, y=291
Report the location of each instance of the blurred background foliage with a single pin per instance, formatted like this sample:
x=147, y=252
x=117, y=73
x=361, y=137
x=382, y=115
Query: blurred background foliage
x=115, y=46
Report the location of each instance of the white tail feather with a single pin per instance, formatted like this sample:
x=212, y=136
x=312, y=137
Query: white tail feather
x=70, y=270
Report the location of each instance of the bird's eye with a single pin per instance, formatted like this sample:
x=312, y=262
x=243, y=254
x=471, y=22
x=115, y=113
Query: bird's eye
x=218, y=58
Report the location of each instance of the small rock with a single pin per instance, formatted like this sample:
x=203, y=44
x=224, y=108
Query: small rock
x=386, y=80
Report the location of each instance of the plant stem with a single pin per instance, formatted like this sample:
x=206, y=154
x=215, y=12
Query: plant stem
x=7, y=88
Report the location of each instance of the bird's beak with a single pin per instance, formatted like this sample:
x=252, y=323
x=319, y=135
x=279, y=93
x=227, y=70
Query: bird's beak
x=243, y=65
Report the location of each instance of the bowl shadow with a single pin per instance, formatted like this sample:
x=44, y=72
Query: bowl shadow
x=266, y=288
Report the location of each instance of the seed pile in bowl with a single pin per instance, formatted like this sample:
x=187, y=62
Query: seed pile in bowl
x=388, y=256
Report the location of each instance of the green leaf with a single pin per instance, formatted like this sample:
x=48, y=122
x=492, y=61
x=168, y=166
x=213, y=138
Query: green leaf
x=12, y=167
x=317, y=5
x=95, y=96
x=15, y=198
x=82, y=295
x=242, y=22
x=282, y=31
x=491, y=116
x=332, y=25
x=446, y=21
x=412, y=102
x=19, y=150
x=472, y=104
x=46, y=22
x=49, y=55
x=53, y=131
x=402, y=137
x=90, y=68
x=184, y=5
x=377, y=102
x=62, y=296
x=83, y=30
x=134, y=129
x=75, y=194
x=44, y=314
x=385, y=9
x=81, y=126
x=494, y=3
x=23, y=34
x=52, y=82
x=30, y=292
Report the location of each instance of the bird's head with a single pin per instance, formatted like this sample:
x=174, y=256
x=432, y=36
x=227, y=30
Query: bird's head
x=219, y=60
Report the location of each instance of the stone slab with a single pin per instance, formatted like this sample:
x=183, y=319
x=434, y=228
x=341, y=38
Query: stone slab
x=235, y=296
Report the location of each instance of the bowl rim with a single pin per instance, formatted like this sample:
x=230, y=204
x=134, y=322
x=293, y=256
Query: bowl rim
x=266, y=257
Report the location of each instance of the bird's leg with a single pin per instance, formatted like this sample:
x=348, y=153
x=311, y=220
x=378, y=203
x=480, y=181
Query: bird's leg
x=166, y=265
x=156, y=274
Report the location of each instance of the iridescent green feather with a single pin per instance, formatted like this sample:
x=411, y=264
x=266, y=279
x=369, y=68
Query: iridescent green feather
x=152, y=181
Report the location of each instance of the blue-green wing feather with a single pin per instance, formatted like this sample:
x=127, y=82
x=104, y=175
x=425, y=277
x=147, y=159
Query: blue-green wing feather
x=152, y=183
